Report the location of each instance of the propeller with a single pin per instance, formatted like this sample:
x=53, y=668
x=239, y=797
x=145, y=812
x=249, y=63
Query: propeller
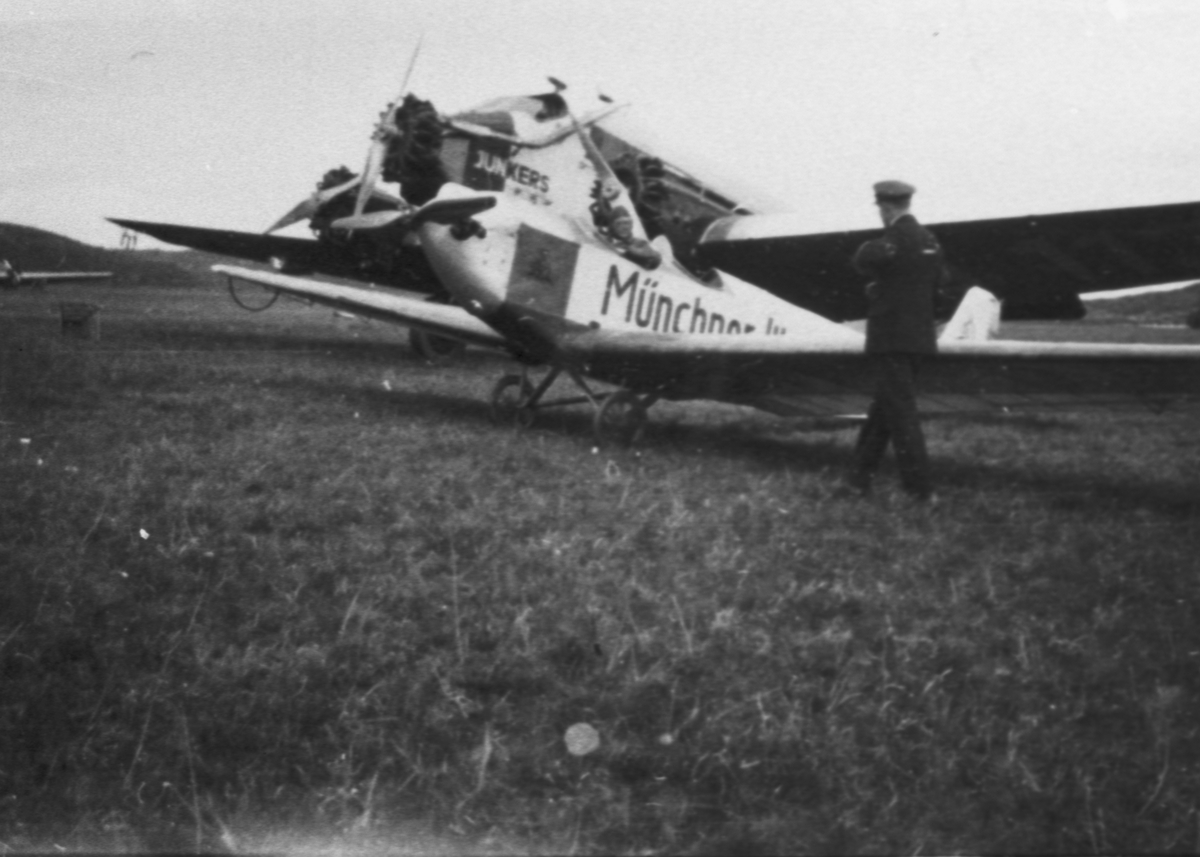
x=385, y=130
x=311, y=205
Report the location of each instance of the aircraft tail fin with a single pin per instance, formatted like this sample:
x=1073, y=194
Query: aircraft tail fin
x=977, y=318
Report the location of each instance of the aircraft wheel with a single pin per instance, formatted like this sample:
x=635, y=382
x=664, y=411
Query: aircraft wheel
x=434, y=348
x=510, y=398
x=621, y=419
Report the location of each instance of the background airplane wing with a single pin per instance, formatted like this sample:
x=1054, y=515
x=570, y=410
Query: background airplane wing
x=33, y=278
x=1037, y=264
x=820, y=378
x=437, y=318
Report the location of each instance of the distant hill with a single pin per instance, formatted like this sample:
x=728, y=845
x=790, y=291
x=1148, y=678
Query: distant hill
x=33, y=249
x=1172, y=307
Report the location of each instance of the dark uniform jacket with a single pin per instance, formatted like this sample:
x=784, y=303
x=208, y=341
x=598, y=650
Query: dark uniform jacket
x=906, y=266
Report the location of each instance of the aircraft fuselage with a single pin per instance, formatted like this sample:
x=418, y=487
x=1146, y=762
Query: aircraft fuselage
x=537, y=274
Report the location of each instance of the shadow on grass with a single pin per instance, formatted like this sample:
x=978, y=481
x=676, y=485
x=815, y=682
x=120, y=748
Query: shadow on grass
x=389, y=344
x=815, y=447
x=1075, y=493
x=762, y=442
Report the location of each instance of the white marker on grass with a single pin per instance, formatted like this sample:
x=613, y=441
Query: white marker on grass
x=581, y=739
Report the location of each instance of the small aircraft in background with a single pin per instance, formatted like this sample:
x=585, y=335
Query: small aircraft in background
x=11, y=276
x=551, y=237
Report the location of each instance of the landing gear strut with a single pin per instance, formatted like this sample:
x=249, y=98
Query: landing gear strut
x=619, y=417
x=511, y=401
x=434, y=348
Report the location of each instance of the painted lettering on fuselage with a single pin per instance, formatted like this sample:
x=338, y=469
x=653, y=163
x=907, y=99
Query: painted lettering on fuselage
x=485, y=164
x=637, y=300
x=506, y=169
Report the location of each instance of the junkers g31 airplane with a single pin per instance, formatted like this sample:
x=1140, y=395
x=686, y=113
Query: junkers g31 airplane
x=553, y=238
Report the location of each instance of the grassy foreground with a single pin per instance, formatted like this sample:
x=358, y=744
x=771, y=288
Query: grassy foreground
x=269, y=582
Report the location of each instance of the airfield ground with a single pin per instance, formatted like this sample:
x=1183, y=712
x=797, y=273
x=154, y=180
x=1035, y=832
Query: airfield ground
x=271, y=580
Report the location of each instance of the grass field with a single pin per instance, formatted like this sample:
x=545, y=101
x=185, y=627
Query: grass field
x=270, y=582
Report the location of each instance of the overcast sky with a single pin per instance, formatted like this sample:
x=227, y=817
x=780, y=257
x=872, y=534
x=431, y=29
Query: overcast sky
x=226, y=112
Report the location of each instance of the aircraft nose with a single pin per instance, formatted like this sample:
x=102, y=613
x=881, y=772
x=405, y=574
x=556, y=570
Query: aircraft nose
x=468, y=241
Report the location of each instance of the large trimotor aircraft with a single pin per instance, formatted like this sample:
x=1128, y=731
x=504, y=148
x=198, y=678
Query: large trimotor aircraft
x=11, y=276
x=552, y=237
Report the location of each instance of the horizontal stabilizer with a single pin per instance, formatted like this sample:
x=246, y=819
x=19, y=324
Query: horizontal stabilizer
x=977, y=318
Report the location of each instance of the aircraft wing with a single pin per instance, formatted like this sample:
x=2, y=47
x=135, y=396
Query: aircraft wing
x=437, y=318
x=1038, y=265
x=822, y=378
x=34, y=278
x=300, y=255
x=304, y=252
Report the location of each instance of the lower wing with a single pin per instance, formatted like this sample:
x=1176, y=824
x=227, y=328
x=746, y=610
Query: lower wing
x=436, y=318
x=817, y=378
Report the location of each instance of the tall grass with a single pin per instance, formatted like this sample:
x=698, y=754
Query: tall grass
x=254, y=593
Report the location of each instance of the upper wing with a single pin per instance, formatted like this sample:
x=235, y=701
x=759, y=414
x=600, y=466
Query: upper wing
x=303, y=255
x=1038, y=265
x=301, y=252
x=441, y=319
x=826, y=377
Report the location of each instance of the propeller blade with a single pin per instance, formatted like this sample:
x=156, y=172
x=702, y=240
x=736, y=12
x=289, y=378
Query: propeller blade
x=309, y=206
x=379, y=140
x=412, y=62
x=371, y=221
x=304, y=210
x=371, y=171
x=452, y=209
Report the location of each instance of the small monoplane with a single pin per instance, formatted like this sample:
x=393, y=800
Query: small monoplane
x=11, y=276
x=548, y=235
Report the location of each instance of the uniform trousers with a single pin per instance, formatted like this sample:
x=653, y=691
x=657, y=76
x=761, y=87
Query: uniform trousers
x=892, y=418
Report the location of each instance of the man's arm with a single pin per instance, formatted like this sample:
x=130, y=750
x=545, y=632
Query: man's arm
x=872, y=256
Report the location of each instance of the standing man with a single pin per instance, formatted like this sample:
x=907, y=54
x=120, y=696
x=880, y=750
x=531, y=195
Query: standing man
x=905, y=265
